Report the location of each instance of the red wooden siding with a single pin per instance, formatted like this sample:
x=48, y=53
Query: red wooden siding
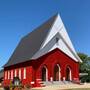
x=34, y=67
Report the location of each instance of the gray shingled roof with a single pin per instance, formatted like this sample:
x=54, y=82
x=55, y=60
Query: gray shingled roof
x=31, y=43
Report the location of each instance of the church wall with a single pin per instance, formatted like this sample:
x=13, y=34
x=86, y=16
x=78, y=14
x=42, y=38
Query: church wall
x=57, y=57
x=34, y=67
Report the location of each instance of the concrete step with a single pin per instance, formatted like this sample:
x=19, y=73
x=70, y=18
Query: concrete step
x=67, y=82
x=47, y=83
x=58, y=82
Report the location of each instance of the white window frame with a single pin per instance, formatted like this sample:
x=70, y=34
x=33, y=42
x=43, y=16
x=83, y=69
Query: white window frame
x=24, y=73
x=15, y=73
x=11, y=74
x=5, y=75
x=20, y=73
x=8, y=74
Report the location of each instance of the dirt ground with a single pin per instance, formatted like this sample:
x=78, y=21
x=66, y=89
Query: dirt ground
x=63, y=87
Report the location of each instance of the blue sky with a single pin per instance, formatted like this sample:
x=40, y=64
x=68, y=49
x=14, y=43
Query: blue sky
x=19, y=17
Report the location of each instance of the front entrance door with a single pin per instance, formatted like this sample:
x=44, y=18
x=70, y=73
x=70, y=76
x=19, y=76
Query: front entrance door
x=68, y=74
x=57, y=73
x=44, y=74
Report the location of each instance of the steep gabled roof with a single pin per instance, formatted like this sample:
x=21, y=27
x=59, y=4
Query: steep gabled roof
x=31, y=43
x=59, y=31
x=43, y=40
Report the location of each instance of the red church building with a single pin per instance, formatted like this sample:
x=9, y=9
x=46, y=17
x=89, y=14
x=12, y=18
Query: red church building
x=44, y=55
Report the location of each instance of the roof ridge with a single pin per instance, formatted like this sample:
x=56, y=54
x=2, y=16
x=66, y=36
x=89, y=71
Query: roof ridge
x=53, y=18
x=31, y=43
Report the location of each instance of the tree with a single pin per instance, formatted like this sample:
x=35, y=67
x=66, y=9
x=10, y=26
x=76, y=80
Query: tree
x=85, y=67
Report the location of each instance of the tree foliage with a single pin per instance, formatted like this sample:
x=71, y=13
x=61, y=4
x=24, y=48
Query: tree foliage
x=85, y=67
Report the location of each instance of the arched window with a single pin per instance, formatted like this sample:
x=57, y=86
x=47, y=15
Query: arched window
x=44, y=73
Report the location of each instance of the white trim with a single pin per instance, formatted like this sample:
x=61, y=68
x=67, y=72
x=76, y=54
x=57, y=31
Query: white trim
x=58, y=27
x=32, y=82
x=19, y=73
x=5, y=75
x=59, y=72
x=43, y=44
x=8, y=74
x=11, y=74
x=46, y=72
x=15, y=74
x=70, y=73
x=24, y=73
x=53, y=31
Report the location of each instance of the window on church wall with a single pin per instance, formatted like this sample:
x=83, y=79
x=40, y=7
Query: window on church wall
x=8, y=74
x=19, y=73
x=11, y=74
x=24, y=73
x=5, y=75
x=15, y=73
